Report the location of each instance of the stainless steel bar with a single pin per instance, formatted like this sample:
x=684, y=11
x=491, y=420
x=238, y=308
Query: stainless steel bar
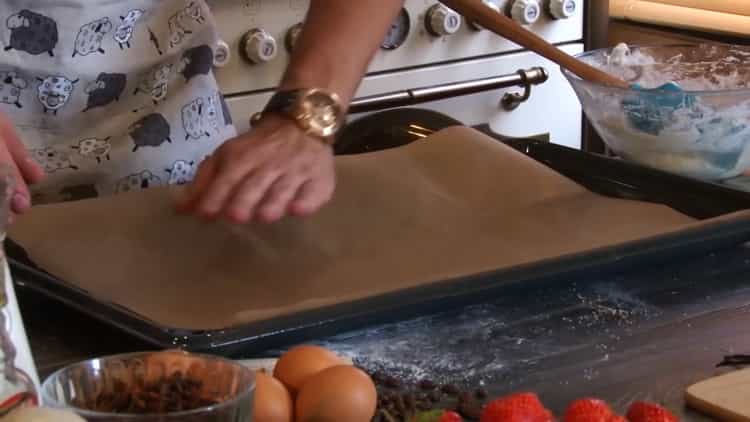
x=522, y=78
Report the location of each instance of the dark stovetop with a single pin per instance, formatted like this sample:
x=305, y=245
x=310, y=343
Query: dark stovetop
x=646, y=333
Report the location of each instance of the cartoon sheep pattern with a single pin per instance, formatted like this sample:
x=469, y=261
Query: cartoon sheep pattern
x=137, y=182
x=37, y=34
x=54, y=92
x=196, y=61
x=52, y=159
x=156, y=83
x=90, y=37
x=179, y=22
x=182, y=172
x=200, y=118
x=106, y=89
x=125, y=30
x=11, y=87
x=32, y=33
x=150, y=131
x=94, y=148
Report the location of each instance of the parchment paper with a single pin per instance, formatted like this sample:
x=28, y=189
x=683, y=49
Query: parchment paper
x=456, y=203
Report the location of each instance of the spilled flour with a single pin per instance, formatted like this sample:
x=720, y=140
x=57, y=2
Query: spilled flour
x=486, y=343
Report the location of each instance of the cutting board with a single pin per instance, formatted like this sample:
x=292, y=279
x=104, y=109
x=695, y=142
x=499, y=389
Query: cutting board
x=725, y=397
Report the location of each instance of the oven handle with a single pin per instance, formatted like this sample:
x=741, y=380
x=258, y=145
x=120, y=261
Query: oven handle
x=523, y=78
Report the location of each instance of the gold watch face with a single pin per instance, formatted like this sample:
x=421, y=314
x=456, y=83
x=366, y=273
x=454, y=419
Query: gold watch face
x=320, y=112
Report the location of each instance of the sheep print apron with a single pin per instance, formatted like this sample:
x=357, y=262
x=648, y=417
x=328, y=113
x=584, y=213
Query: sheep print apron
x=111, y=96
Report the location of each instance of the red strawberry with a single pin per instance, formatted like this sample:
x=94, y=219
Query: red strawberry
x=617, y=418
x=519, y=407
x=588, y=410
x=437, y=416
x=449, y=416
x=649, y=412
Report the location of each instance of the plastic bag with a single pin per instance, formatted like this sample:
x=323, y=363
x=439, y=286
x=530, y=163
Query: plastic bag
x=17, y=388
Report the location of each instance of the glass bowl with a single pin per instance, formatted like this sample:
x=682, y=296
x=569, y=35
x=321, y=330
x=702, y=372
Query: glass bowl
x=153, y=386
x=701, y=132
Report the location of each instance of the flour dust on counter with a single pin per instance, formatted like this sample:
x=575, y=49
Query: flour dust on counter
x=567, y=331
x=487, y=343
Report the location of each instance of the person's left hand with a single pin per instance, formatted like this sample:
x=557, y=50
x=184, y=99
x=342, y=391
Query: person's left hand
x=272, y=171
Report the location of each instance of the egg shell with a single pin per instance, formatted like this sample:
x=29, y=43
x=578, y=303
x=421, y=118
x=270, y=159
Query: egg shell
x=339, y=393
x=272, y=401
x=299, y=363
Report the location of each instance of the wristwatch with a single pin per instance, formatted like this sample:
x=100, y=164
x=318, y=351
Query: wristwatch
x=318, y=112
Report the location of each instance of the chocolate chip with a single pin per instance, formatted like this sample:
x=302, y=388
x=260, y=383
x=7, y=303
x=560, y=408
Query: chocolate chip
x=389, y=417
x=389, y=396
x=400, y=404
x=450, y=389
x=410, y=401
x=427, y=385
x=469, y=409
x=465, y=397
x=424, y=406
x=378, y=377
x=392, y=382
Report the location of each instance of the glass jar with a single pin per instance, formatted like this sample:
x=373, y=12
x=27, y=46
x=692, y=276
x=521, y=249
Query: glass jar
x=17, y=388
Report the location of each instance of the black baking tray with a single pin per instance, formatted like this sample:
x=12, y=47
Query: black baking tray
x=390, y=129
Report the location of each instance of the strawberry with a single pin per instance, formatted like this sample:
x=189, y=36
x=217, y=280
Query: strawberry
x=519, y=407
x=588, y=410
x=649, y=412
x=437, y=416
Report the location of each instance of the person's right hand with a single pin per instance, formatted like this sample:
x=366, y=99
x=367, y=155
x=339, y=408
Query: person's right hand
x=24, y=169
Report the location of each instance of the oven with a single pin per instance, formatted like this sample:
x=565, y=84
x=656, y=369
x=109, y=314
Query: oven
x=431, y=59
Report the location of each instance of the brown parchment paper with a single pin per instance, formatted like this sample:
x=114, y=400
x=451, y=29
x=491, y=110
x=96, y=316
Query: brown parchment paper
x=456, y=203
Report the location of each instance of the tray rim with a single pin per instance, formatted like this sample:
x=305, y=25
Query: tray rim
x=438, y=296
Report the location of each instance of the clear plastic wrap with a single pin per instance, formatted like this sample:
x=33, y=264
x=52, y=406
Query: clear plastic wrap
x=17, y=387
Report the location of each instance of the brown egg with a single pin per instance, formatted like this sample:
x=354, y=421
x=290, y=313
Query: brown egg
x=340, y=393
x=272, y=402
x=300, y=363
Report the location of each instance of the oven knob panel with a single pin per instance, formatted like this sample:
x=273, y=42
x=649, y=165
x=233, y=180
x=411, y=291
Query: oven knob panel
x=563, y=9
x=441, y=21
x=258, y=46
x=492, y=4
x=526, y=12
x=291, y=37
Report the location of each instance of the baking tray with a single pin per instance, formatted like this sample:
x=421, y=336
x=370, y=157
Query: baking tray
x=390, y=129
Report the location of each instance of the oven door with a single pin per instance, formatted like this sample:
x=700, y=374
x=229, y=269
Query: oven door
x=551, y=111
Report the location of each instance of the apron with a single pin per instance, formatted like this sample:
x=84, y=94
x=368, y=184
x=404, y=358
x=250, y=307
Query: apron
x=111, y=96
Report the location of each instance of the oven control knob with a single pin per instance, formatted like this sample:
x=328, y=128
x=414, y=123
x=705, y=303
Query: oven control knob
x=291, y=37
x=258, y=46
x=526, y=12
x=563, y=9
x=222, y=55
x=492, y=4
x=442, y=21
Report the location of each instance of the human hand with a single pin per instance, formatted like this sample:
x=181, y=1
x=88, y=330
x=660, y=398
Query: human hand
x=270, y=172
x=23, y=168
